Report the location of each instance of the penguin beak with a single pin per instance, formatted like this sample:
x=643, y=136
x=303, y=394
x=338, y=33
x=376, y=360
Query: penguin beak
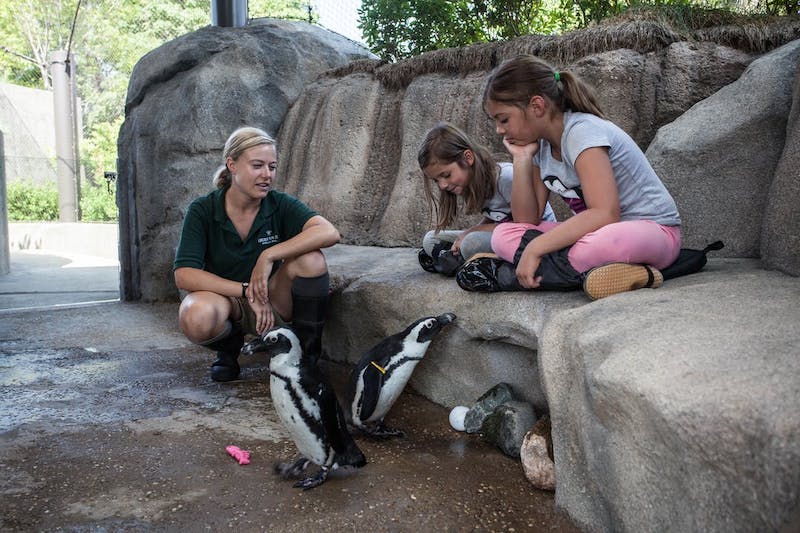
x=259, y=344
x=253, y=346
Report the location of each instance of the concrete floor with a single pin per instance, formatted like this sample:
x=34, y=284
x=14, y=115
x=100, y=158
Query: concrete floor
x=109, y=422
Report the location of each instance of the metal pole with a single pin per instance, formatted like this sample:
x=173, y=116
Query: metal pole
x=66, y=166
x=77, y=127
x=5, y=249
x=229, y=13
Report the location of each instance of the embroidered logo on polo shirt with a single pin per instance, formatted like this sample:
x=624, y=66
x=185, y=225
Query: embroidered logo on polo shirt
x=268, y=239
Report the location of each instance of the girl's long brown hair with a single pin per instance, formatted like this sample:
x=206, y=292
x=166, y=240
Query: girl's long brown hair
x=516, y=80
x=445, y=144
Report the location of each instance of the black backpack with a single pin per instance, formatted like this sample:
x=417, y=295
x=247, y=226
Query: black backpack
x=690, y=261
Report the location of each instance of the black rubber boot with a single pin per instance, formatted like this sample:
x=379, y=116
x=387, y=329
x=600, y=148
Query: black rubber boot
x=443, y=261
x=447, y=263
x=309, y=308
x=226, y=366
x=488, y=273
x=426, y=261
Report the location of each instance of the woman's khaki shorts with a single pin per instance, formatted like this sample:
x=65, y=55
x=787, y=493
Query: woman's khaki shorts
x=248, y=316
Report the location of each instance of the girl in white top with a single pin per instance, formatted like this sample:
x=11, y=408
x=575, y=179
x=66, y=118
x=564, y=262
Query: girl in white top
x=459, y=167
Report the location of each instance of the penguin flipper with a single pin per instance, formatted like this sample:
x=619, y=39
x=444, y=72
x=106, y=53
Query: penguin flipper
x=371, y=393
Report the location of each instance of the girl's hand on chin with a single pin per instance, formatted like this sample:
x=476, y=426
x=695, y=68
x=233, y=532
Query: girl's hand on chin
x=520, y=150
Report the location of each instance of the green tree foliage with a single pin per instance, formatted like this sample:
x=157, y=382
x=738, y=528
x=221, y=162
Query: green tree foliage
x=506, y=19
x=31, y=202
x=283, y=9
x=27, y=201
x=397, y=29
x=98, y=203
x=30, y=31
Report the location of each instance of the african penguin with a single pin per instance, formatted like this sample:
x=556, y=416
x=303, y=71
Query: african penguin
x=308, y=408
x=383, y=371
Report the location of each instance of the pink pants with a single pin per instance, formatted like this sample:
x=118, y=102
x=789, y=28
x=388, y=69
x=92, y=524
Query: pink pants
x=633, y=241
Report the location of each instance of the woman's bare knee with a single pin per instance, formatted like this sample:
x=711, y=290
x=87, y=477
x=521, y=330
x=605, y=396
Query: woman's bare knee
x=308, y=265
x=201, y=318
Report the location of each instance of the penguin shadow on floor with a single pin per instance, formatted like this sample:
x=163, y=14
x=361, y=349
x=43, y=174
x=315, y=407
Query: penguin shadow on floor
x=381, y=375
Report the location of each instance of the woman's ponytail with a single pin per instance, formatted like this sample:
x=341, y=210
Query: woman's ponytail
x=222, y=177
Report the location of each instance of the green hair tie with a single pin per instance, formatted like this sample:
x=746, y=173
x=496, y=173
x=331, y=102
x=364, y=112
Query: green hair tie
x=557, y=76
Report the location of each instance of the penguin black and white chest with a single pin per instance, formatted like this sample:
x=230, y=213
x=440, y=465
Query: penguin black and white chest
x=383, y=371
x=307, y=406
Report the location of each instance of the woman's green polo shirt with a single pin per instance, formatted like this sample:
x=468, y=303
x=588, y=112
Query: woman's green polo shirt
x=209, y=240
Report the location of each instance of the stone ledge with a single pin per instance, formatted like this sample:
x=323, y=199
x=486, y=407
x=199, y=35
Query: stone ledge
x=678, y=406
x=379, y=291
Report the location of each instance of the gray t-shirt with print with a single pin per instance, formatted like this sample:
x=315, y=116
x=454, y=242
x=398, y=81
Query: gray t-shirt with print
x=498, y=207
x=642, y=195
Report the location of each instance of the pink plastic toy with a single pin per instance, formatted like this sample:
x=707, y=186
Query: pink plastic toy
x=243, y=456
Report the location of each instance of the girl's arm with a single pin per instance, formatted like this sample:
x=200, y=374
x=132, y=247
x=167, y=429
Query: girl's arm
x=528, y=193
x=486, y=224
x=602, y=200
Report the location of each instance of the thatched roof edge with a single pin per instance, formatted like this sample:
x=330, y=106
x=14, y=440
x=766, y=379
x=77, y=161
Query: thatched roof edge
x=640, y=35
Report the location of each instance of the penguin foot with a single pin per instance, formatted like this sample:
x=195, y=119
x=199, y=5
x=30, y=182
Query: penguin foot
x=291, y=469
x=381, y=431
x=313, y=481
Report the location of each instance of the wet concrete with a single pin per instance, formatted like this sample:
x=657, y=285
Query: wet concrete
x=109, y=422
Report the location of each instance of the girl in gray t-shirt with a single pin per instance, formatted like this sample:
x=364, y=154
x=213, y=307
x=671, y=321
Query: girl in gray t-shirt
x=626, y=225
x=458, y=167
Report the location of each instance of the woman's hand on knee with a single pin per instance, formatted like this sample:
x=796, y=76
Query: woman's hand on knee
x=264, y=317
x=259, y=280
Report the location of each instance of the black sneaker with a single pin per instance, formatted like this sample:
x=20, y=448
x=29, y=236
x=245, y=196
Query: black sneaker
x=426, y=262
x=226, y=367
x=447, y=263
x=487, y=273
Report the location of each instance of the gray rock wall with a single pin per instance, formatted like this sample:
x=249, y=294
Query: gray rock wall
x=780, y=234
x=347, y=141
x=720, y=160
x=677, y=409
x=367, y=180
x=673, y=409
x=379, y=291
